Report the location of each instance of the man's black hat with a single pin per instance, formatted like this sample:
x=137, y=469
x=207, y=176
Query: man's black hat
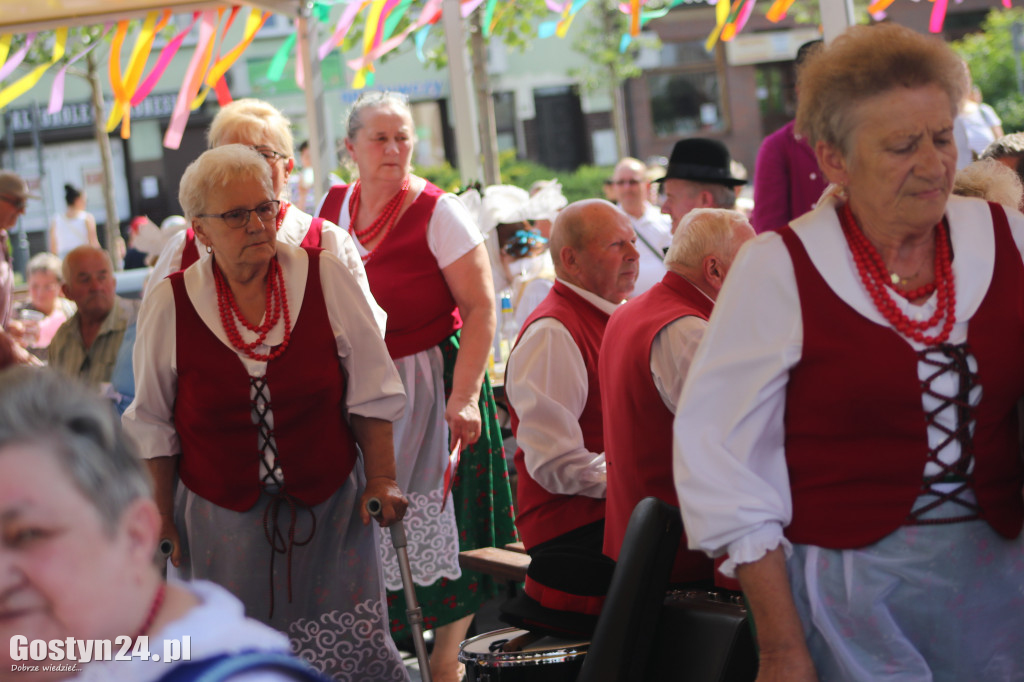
x=700, y=159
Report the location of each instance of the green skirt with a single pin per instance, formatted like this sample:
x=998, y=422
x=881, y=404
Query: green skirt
x=483, y=513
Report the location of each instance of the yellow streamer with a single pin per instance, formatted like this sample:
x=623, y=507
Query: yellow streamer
x=204, y=64
x=124, y=86
x=5, y=47
x=25, y=83
x=721, y=16
x=252, y=26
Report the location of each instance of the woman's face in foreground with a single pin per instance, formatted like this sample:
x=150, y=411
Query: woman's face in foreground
x=901, y=158
x=61, y=573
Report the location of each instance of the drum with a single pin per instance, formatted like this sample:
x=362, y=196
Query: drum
x=514, y=655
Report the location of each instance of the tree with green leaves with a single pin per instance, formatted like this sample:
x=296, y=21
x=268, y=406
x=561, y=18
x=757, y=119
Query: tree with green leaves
x=611, y=62
x=994, y=65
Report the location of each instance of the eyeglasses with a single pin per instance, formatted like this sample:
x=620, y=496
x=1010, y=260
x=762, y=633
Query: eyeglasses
x=631, y=183
x=239, y=217
x=268, y=154
x=16, y=203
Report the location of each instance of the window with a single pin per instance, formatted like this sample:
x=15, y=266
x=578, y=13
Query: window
x=685, y=91
x=505, y=119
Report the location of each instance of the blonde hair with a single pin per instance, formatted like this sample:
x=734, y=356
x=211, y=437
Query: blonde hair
x=46, y=263
x=253, y=119
x=990, y=180
x=703, y=232
x=214, y=169
x=863, y=62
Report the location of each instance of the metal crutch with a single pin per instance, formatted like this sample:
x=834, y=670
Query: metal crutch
x=412, y=607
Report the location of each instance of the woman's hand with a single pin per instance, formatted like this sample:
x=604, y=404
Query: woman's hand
x=393, y=503
x=463, y=417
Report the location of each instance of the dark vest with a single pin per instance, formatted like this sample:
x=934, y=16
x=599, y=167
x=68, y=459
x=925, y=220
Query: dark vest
x=405, y=279
x=212, y=412
x=856, y=438
x=637, y=425
x=544, y=515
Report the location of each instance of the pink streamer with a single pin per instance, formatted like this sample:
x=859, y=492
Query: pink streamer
x=391, y=43
x=18, y=57
x=57, y=91
x=938, y=16
x=341, y=30
x=179, y=117
x=554, y=6
x=166, y=55
x=468, y=7
x=748, y=7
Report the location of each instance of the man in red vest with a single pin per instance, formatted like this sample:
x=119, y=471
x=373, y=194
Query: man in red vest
x=646, y=354
x=554, y=393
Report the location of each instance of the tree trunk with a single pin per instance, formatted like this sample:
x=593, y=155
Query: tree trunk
x=112, y=231
x=487, y=129
x=615, y=87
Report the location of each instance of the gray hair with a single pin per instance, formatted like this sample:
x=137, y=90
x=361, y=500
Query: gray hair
x=46, y=263
x=863, y=62
x=373, y=100
x=990, y=180
x=703, y=232
x=81, y=430
x=214, y=169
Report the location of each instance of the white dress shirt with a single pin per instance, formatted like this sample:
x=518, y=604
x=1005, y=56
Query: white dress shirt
x=671, y=355
x=656, y=228
x=546, y=383
x=293, y=230
x=729, y=459
x=372, y=389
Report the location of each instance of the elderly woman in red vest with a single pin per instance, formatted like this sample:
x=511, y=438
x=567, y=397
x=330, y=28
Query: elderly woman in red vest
x=260, y=380
x=428, y=269
x=260, y=125
x=848, y=432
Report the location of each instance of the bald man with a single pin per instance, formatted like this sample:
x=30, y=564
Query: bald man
x=86, y=345
x=555, y=398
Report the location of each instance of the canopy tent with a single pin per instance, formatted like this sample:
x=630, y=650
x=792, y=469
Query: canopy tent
x=19, y=16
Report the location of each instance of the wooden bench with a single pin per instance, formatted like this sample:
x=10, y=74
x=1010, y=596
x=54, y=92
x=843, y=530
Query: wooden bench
x=501, y=563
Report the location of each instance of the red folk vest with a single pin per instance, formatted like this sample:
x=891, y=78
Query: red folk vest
x=190, y=254
x=638, y=441
x=212, y=413
x=405, y=279
x=544, y=515
x=856, y=440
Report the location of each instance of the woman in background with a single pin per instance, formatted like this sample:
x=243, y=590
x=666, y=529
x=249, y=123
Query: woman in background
x=428, y=268
x=74, y=227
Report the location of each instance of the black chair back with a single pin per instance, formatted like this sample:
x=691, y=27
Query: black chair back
x=622, y=646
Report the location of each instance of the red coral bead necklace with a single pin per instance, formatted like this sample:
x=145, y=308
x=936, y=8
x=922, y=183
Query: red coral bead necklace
x=276, y=307
x=383, y=223
x=877, y=279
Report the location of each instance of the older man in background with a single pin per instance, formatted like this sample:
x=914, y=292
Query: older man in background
x=699, y=175
x=645, y=356
x=555, y=398
x=632, y=188
x=86, y=345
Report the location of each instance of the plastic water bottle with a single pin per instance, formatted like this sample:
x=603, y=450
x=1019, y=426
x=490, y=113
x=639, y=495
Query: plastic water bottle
x=507, y=330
